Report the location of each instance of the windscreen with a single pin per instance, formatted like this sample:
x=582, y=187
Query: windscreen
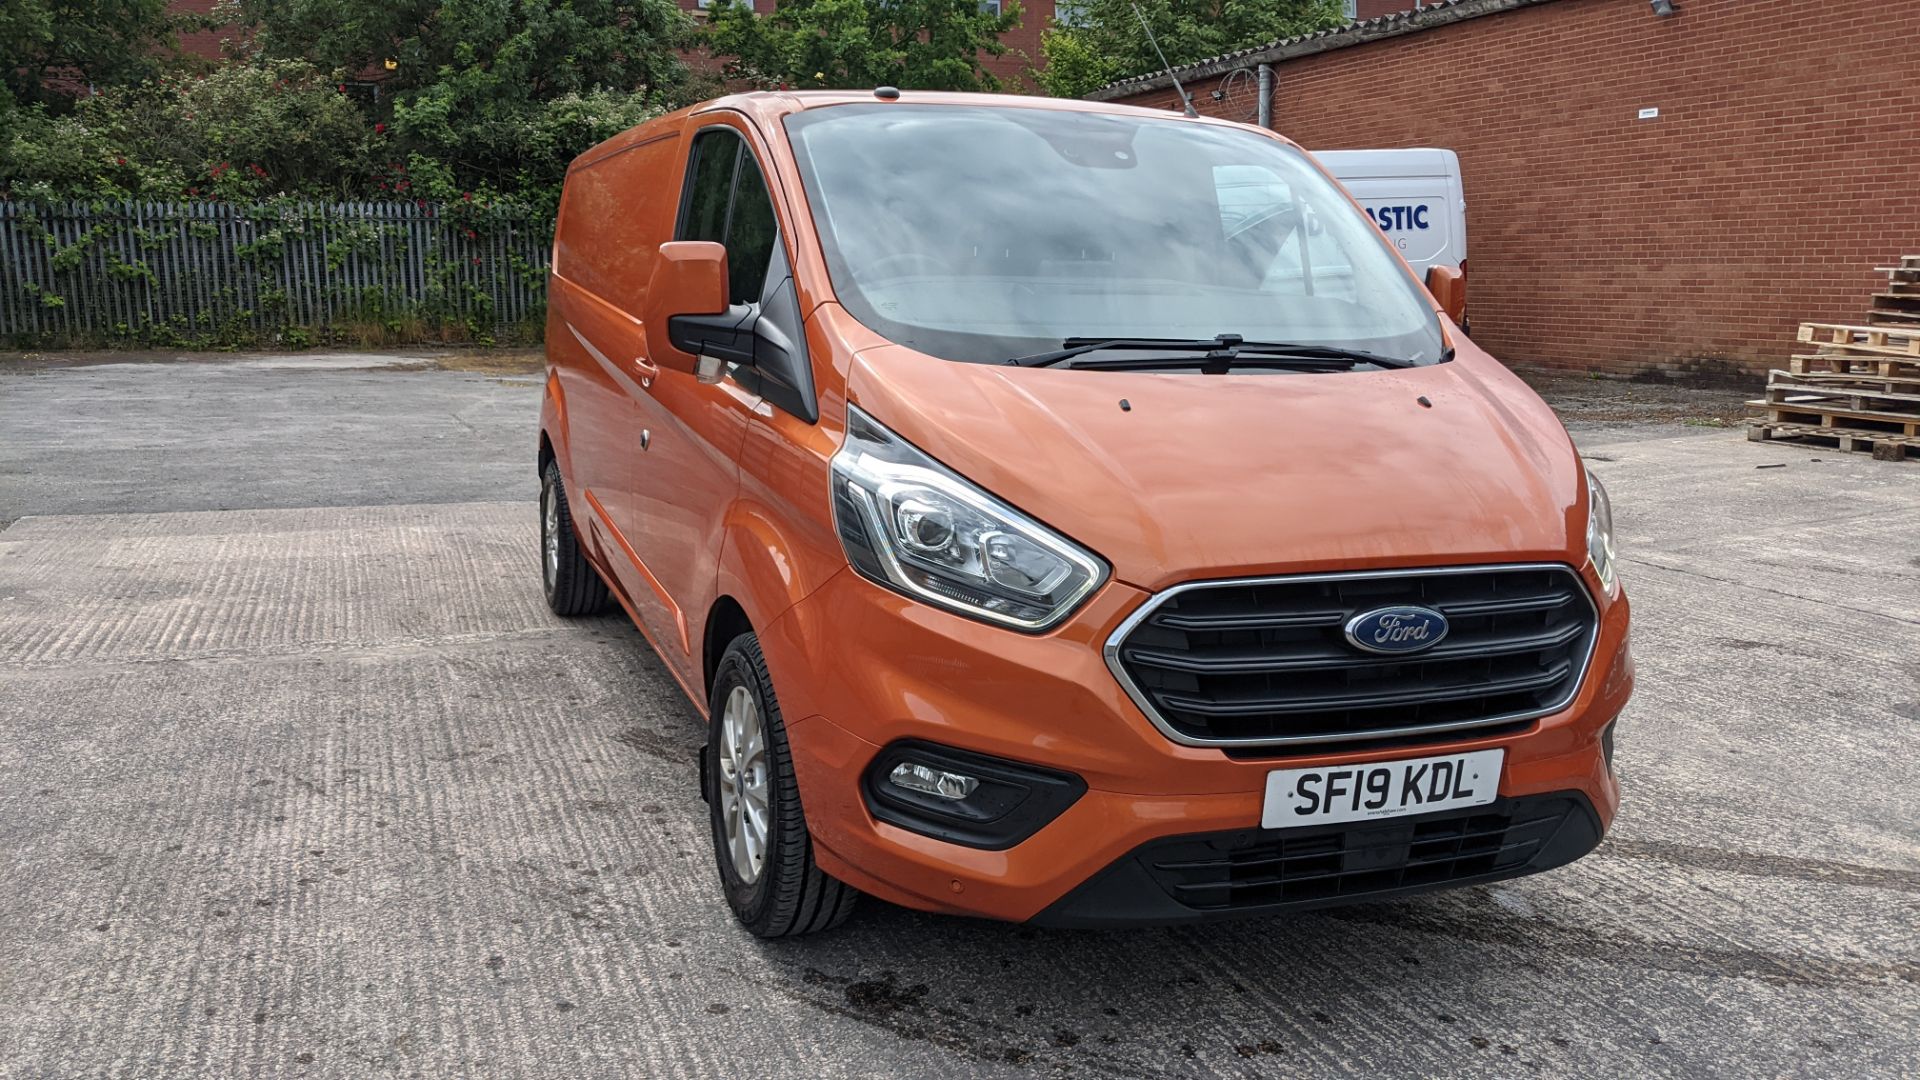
x=979, y=234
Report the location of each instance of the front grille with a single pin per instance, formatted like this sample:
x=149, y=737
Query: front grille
x=1250, y=869
x=1266, y=661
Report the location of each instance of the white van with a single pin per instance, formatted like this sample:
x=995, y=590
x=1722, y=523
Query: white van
x=1414, y=195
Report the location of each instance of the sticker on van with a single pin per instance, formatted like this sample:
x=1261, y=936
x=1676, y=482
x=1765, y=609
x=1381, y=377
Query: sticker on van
x=1398, y=218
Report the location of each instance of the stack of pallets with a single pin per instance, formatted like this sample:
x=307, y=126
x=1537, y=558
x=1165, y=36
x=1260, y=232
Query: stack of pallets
x=1857, y=387
x=1900, y=304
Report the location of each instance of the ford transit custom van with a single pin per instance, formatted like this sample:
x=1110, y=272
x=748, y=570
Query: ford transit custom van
x=1067, y=513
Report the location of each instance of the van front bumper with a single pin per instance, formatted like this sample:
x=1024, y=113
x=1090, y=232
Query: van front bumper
x=1244, y=872
x=860, y=670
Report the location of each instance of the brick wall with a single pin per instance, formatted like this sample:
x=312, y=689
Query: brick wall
x=1023, y=46
x=1368, y=9
x=1784, y=166
x=204, y=44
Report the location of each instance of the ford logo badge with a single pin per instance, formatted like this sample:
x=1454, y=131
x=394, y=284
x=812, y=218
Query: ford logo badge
x=1395, y=630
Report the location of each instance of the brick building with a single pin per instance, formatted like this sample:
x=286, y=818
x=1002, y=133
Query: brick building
x=1782, y=165
x=1373, y=9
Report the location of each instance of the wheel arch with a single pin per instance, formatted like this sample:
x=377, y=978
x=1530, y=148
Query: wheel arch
x=726, y=620
x=553, y=427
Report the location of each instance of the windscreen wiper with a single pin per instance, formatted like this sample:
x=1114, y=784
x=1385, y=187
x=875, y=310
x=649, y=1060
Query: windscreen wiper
x=1220, y=353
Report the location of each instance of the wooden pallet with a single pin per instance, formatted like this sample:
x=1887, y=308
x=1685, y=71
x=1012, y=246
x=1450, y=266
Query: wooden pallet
x=1838, y=417
x=1861, y=367
x=1899, y=383
x=1899, y=305
x=1892, y=398
x=1861, y=340
x=1858, y=387
x=1883, y=447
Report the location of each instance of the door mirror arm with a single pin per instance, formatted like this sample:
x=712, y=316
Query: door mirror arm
x=729, y=336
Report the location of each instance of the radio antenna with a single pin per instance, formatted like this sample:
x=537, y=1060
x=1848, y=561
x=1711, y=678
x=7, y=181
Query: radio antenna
x=1185, y=100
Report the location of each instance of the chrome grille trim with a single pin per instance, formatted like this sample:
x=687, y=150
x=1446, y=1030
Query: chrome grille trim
x=1115, y=641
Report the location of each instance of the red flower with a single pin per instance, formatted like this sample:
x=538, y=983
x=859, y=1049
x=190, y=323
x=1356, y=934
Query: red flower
x=343, y=88
x=421, y=203
x=476, y=260
x=379, y=129
x=119, y=161
x=467, y=195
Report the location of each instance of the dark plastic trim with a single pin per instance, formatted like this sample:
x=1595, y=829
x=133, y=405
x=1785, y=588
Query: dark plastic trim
x=1127, y=894
x=1014, y=799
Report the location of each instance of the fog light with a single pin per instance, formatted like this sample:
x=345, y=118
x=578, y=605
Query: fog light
x=936, y=782
x=963, y=797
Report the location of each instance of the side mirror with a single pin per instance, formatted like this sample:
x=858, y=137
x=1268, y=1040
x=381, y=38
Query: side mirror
x=1449, y=288
x=689, y=278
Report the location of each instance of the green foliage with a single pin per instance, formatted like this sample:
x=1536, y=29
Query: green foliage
x=499, y=92
x=55, y=49
x=525, y=153
x=1107, y=42
x=912, y=44
x=486, y=100
x=274, y=127
x=241, y=132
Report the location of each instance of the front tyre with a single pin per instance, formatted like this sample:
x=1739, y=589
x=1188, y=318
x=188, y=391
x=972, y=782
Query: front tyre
x=572, y=585
x=759, y=831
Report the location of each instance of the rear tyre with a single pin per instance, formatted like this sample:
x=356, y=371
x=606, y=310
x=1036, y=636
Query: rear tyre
x=572, y=585
x=759, y=831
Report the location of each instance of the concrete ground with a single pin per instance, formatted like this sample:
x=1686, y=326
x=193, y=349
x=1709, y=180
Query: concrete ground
x=298, y=777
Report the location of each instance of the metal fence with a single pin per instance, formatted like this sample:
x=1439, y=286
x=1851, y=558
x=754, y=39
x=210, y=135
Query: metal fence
x=173, y=273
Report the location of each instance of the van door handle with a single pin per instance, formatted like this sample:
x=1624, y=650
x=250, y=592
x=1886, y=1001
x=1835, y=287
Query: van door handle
x=647, y=370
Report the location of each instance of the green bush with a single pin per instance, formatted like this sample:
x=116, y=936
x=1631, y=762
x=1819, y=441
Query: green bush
x=284, y=128
x=1106, y=42
x=243, y=131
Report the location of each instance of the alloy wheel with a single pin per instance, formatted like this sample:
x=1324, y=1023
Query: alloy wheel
x=743, y=784
x=550, y=532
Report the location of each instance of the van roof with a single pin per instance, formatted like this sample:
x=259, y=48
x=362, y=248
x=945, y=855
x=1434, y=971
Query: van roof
x=1391, y=162
x=771, y=105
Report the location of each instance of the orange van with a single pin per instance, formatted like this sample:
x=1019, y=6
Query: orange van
x=1067, y=513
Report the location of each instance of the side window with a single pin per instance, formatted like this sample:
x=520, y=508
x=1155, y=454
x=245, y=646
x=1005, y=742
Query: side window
x=727, y=202
x=751, y=234
x=709, y=187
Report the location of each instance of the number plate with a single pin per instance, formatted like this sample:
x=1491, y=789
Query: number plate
x=1335, y=793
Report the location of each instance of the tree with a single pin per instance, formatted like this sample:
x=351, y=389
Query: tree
x=1105, y=41
x=242, y=131
x=911, y=44
x=468, y=84
x=58, y=48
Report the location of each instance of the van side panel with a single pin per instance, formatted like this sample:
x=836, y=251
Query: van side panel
x=1414, y=196
x=615, y=213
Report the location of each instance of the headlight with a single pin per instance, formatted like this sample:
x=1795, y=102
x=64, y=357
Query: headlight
x=917, y=527
x=1600, y=530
